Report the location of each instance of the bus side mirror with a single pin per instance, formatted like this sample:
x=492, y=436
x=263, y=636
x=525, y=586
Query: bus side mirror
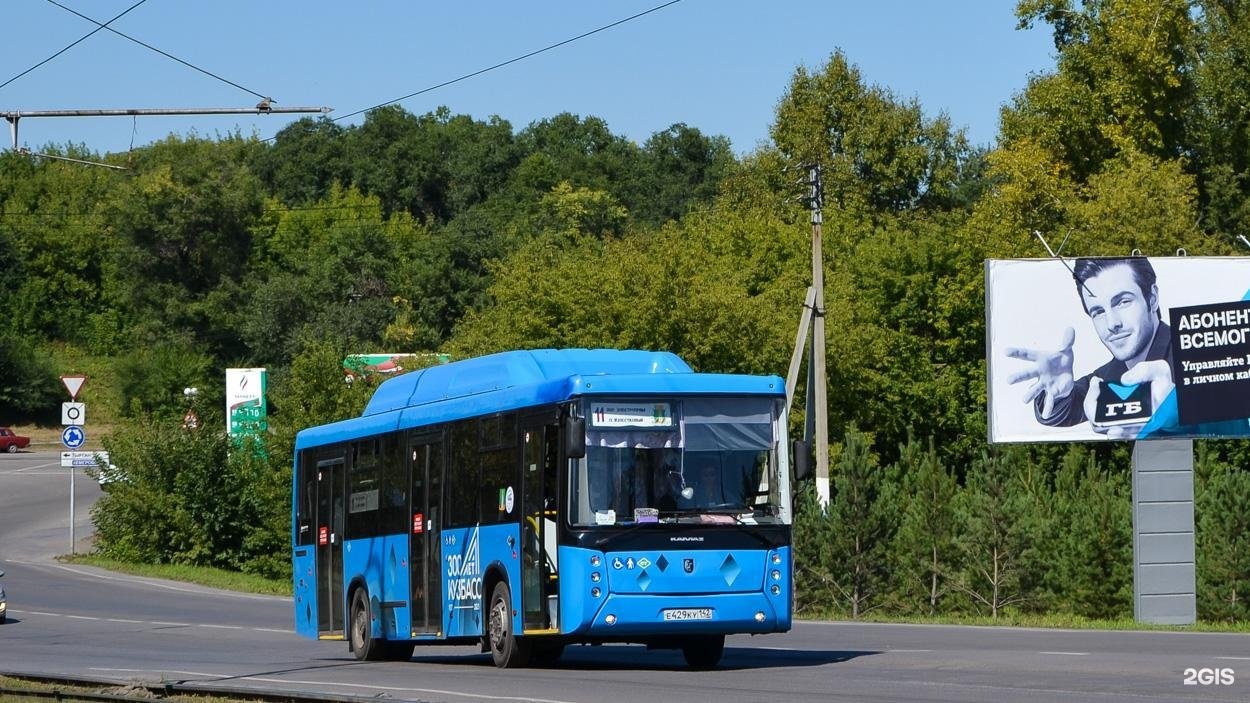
x=574, y=437
x=800, y=455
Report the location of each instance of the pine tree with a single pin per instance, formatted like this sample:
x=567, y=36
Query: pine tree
x=925, y=544
x=1001, y=521
x=861, y=510
x=1223, y=543
x=1094, y=539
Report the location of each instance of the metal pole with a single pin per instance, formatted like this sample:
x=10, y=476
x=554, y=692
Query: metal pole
x=71, y=508
x=263, y=108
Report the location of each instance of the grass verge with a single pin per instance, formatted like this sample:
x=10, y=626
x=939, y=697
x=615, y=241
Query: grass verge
x=40, y=691
x=1052, y=621
x=204, y=576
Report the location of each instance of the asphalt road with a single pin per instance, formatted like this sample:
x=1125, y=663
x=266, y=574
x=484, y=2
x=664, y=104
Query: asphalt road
x=74, y=620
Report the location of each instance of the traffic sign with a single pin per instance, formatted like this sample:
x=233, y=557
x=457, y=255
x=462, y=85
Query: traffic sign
x=73, y=413
x=73, y=437
x=73, y=459
x=73, y=384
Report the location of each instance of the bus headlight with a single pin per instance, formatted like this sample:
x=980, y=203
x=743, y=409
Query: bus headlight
x=776, y=558
x=610, y=619
x=595, y=592
x=776, y=575
x=594, y=576
x=594, y=560
x=759, y=616
x=776, y=590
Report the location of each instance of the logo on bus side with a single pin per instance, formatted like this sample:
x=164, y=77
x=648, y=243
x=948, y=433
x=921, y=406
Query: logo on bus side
x=464, y=575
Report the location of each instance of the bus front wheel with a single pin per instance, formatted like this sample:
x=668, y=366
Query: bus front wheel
x=703, y=652
x=506, y=649
x=364, y=646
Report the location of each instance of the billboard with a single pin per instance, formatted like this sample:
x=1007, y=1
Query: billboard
x=1118, y=348
x=246, y=409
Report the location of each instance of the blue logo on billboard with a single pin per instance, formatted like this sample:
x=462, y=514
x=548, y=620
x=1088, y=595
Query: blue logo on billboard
x=73, y=437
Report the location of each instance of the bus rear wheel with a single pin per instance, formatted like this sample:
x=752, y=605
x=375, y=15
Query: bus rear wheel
x=704, y=651
x=506, y=649
x=364, y=646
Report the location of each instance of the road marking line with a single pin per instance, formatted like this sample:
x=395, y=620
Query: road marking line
x=1242, y=659
x=81, y=617
x=221, y=627
x=134, y=622
x=170, y=624
x=909, y=650
x=1068, y=654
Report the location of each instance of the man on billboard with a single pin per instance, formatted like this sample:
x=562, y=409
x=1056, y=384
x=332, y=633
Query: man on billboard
x=1119, y=398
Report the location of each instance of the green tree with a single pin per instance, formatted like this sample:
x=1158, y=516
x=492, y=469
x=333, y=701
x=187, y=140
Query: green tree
x=1223, y=541
x=680, y=167
x=329, y=271
x=29, y=387
x=925, y=544
x=862, y=508
x=184, y=497
x=433, y=166
x=708, y=289
x=877, y=152
x=151, y=377
x=183, y=228
x=1093, y=539
x=1001, y=521
x=305, y=160
x=1219, y=144
x=54, y=248
x=814, y=562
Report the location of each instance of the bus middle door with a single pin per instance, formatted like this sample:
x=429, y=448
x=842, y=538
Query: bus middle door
x=538, y=527
x=425, y=540
x=331, y=514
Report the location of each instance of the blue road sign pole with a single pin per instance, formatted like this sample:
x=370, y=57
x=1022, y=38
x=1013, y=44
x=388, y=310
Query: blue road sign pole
x=72, y=437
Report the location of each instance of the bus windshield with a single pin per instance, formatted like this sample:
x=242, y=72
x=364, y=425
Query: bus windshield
x=677, y=460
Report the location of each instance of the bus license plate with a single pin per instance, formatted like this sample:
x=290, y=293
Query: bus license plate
x=688, y=614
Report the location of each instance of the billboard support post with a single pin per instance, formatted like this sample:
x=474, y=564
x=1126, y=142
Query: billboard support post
x=1164, y=578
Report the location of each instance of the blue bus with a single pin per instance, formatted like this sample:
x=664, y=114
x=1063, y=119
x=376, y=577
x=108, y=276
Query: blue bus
x=529, y=500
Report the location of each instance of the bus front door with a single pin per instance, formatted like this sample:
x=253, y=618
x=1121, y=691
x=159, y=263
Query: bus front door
x=424, y=542
x=538, y=534
x=330, y=522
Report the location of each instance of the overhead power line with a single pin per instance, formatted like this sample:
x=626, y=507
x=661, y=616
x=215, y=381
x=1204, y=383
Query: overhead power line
x=162, y=53
x=73, y=44
x=509, y=61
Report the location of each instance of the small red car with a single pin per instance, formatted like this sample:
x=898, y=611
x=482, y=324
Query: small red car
x=10, y=442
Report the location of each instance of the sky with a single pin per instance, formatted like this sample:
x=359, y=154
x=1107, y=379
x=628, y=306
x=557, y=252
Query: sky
x=720, y=66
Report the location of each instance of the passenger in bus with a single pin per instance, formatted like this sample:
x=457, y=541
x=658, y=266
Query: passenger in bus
x=707, y=488
x=611, y=484
x=666, y=487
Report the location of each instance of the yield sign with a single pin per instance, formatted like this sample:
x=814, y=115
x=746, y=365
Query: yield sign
x=73, y=384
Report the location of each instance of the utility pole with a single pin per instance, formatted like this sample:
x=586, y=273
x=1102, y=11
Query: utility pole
x=263, y=108
x=816, y=425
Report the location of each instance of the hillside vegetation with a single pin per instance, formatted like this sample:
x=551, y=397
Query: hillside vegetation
x=450, y=233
